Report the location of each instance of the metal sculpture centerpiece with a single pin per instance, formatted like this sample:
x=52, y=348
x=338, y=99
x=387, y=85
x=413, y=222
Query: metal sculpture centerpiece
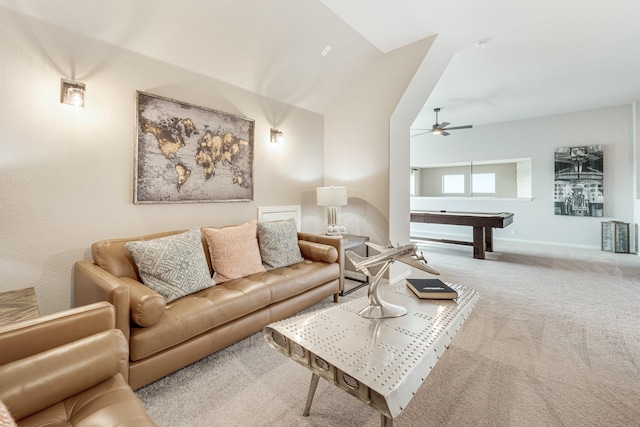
x=407, y=254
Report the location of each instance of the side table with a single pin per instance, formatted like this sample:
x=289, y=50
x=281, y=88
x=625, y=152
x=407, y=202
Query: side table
x=18, y=305
x=351, y=241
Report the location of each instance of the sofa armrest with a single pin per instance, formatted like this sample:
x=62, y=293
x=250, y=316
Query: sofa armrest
x=36, y=382
x=92, y=284
x=147, y=306
x=318, y=251
x=336, y=242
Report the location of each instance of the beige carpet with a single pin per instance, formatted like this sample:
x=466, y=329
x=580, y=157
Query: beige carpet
x=554, y=341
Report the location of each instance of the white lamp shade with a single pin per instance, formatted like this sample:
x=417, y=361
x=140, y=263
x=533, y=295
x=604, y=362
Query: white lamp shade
x=331, y=196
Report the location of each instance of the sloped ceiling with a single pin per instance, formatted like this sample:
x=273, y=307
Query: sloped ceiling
x=542, y=58
x=269, y=47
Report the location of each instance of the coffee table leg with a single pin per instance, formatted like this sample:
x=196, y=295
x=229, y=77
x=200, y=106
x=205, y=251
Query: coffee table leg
x=312, y=391
x=386, y=421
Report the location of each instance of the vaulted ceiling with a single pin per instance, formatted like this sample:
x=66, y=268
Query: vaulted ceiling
x=539, y=58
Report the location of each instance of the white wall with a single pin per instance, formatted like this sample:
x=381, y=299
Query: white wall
x=360, y=141
x=635, y=138
x=67, y=176
x=411, y=103
x=538, y=138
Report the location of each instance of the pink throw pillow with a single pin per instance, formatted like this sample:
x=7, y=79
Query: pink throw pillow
x=234, y=251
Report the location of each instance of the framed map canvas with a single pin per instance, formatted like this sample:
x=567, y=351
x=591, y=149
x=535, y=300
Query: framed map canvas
x=190, y=154
x=579, y=177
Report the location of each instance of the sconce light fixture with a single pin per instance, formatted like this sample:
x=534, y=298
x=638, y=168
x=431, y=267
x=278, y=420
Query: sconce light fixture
x=277, y=137
x=72, y=93
x=332, y=197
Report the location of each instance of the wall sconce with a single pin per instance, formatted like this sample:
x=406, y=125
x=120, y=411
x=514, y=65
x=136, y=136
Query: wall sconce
x=332, y=197
x=72, y=93
x=277, y=137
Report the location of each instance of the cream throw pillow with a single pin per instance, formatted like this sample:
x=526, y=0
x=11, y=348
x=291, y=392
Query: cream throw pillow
x=234, y=251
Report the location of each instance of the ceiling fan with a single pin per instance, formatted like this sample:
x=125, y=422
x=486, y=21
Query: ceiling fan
x=441, y=128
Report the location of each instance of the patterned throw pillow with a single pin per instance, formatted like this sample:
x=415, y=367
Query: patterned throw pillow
x=173, y=266
x=234, y=251
x=279, y=243
x=6, y=420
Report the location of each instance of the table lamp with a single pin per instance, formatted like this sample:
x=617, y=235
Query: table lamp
x=332, y=197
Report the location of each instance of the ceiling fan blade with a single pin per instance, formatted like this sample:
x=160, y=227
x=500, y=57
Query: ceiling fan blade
x=421, y=133
x=460, y=127
x=440, y=128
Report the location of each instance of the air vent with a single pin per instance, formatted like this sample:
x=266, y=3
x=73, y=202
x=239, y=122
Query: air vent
x=322, y=364
x=350, y=381
x=298, y=350
x=278, y=339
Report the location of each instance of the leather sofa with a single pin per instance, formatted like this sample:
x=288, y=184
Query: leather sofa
x=164, y=337
x=68, y=368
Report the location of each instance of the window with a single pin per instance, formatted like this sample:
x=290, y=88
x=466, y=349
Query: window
x=508, y=178
x=483, y=183
x=453, y=184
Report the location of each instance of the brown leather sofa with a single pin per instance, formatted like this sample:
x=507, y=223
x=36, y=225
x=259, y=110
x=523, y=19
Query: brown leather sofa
x=164, y=337
x=68, y=368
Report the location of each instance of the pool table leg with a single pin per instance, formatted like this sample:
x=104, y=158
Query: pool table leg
x=488, y=238
x=478, y=242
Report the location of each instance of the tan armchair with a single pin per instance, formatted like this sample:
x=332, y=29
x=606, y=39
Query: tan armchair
x=68, y=368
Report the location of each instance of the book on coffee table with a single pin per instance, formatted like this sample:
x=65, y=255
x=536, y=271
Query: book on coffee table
x=431, y=289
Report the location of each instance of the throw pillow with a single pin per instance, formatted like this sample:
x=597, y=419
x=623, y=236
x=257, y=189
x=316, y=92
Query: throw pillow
x=173, y=266
x=234, y=251
x=278, y=242
x=6, y=420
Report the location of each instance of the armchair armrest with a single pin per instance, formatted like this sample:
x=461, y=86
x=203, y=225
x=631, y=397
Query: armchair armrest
x=22, y=339
x=92, y=284
x=36, y=382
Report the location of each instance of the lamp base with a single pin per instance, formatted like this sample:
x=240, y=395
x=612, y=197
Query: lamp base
x=336, y=230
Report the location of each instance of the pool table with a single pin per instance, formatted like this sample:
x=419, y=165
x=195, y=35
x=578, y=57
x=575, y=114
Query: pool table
x=483, y=224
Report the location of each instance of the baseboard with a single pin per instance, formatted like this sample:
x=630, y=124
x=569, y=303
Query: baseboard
x=466, y=237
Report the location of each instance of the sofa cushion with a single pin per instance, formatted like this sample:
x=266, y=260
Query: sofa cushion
x=197, y=313
x=278, y=241
x=173, y=266
x=110, y=403
x=113, y=256
x=287, y=282
x=194, y=314
x=234, y=251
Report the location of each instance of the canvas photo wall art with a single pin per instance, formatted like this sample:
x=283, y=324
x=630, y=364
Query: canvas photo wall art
x=579, y=177
x=188, y=154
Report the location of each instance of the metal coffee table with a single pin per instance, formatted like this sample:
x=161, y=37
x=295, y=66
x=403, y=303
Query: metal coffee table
x=382, y=362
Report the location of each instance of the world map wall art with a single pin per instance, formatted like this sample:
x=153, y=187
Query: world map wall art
x=579, y=177
x=190, y=154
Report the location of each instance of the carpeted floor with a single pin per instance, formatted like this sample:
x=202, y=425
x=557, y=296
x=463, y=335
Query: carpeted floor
x=554, y=341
